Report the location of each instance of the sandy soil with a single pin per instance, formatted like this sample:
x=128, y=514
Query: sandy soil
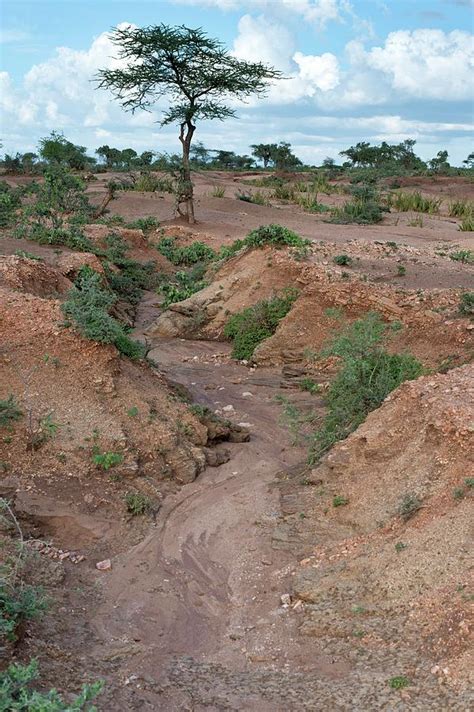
x=244, y=588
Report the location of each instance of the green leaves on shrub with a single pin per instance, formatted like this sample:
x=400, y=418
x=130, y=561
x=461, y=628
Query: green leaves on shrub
x=275, y=235
x=16, y=694
x=190, y=255
x=367, y=375
x=9, y=411
x=88, y=305
x=365, y=207
x=252, y=325
x=466, y=304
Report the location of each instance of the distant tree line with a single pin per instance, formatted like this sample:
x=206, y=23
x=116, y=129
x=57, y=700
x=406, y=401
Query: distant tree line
x=389, y=158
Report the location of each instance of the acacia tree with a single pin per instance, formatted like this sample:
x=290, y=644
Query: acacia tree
x=194, y=72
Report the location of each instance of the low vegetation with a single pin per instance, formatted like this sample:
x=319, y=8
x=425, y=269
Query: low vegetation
x=248, y=328
x=189, y=255
x=368, y=373
x=416, y=202
x=466, y=304
x=137, y=503
x=9, y=411
x=365, y=208
x=87, y=307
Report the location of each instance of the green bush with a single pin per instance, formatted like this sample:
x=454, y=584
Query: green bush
x=367, y=375
x=246, y=329
x=365, y=208
x=194, y=253
x=9, y=411
x=106, y=460
x=464, y=256
x=466, y=304
x=275, y=236
x=182, y=286
x=18, y=603
x=87, y=306
x=10, y=202
x=137, y=503
x=149, y=183
x=342, y=260
x=16, y=693
x=145, y=224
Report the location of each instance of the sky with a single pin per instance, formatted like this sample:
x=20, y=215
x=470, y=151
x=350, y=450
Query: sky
x=375, y=70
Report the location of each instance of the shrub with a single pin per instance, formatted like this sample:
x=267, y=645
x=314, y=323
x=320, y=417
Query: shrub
x=183, y=285
x=137, y=503
x=466, y=304
x=367, y=375
x=307, y=384
x=28, y=255
x=149, y=183
x=246, y=329
x=18, y=603
x=106, y=460
x=145, y=224
x=465, y=256
x=10, y=202
x=339, y=501
x=401, y=270
x=16, y=694
x=342, y=260
x=365, y=208
x=398, y=682
x=88, y=305
x=274, y=235
x=192, y=254
x=408, y=506
x=9, y=411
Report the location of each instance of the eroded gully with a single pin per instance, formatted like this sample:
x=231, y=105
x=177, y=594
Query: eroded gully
x=197, y=603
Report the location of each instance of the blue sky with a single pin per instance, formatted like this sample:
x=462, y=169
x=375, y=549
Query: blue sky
x=357, y=70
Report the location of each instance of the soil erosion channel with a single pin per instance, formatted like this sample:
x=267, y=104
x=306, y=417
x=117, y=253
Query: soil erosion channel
x=197, y=603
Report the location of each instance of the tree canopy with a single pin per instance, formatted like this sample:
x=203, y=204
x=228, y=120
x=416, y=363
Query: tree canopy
x=194, y=73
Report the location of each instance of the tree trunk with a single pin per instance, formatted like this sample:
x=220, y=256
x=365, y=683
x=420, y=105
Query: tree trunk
x=185, y=190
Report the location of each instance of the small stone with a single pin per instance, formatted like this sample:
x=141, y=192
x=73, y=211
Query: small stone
x=285, y=599
x=247, y=394
x=228, y=408
x=104, y=565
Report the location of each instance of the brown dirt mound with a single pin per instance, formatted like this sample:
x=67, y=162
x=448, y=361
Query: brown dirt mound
x=26, y=275
x=432, y=333
x=409, y=559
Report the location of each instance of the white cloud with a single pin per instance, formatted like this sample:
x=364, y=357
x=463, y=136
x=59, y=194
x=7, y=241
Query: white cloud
x=262, y=40
x=321, y=72
x=317, y=12
x=427, y=64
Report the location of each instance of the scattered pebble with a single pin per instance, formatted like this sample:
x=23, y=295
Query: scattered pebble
x=104, y=565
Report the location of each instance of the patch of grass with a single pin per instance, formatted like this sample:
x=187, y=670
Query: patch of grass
x=404, y=202
x=409, y=505
x=342, y=260
x=87, y=306
x=368, y=373
x=469, y=482
x=339, y=501
x=149, y=183
x=467, y=224
x=132, y=412
x=464, y=256
x=334, y=313
x=399, y=682
x=461, y=209
x=218, y=191
x=137, y=503
x=9, y=411
x=401, y=270
x=106, y=460
x=416, y=222
x=459, y=493
x=248, y=328
x=466, y=304
x=256, y=197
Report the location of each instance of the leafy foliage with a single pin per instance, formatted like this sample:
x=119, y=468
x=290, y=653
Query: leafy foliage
x=465, y=256
x=16, y=693
x=367, y=375
x=106, y=460
x=274, y=235
x=88, y=306
x=403, y=202
x=466, y=304
x=365, y=208
x=249, y=327
x=183, y=285
x=9, y=411
x=10, y=202
x=192, y=254
x=137, y=503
